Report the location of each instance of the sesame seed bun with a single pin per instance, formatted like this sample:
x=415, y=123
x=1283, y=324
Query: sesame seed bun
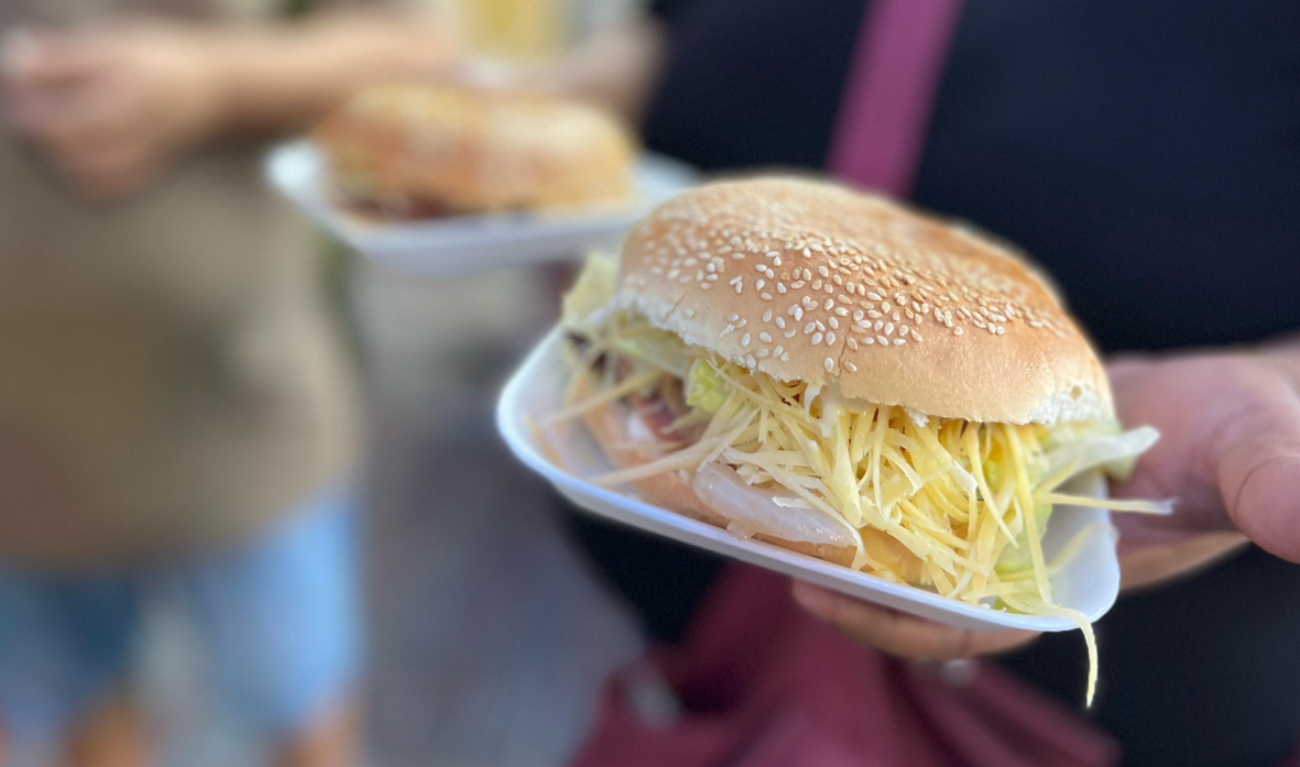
x=810, y=281
x=464, y=149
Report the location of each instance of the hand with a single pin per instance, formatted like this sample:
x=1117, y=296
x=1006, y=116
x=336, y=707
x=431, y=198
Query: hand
x=1229, y=452
x=108, y=107
x=907, y=636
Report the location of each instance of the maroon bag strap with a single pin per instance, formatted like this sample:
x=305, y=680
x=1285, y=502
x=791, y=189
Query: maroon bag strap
x=890, y=91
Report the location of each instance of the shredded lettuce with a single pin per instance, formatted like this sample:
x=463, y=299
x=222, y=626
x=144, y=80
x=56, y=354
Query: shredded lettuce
x=584, y=306
x=706, y=390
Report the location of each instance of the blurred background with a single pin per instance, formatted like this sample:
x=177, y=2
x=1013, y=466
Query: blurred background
x=487, y=639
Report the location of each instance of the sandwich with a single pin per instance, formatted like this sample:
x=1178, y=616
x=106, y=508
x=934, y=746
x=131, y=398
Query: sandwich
x=836, y=374
x=417, y=150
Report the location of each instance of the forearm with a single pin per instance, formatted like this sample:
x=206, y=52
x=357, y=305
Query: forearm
x=617, y=68
x=283, y=77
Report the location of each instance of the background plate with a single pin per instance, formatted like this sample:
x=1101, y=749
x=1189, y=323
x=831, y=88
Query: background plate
x=450, y=246
x=1088, y=583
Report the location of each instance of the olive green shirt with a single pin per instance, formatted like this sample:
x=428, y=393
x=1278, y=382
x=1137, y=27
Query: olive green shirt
x=168, y=376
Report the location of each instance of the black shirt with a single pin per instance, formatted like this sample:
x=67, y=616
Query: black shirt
x=1147, y=152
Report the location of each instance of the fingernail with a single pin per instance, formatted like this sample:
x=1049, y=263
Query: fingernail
x=814, y=599
x=958, y=672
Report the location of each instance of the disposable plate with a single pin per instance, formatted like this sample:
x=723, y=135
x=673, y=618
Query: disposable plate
x=1089, y=581
x=455, y=245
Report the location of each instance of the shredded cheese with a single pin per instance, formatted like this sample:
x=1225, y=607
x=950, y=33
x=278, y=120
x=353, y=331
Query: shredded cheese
x=967, y=501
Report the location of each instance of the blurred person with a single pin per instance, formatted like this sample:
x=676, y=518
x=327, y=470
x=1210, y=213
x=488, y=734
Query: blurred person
x=174, y=404
x=1146, y=154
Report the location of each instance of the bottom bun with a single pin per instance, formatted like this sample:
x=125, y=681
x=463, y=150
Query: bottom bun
x=672, y=490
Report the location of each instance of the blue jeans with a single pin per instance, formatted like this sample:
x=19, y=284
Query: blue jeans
x=278, y=615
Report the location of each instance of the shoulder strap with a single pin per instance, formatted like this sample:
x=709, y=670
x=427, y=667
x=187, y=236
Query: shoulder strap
x=889, y=93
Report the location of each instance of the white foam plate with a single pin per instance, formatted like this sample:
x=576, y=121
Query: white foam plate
x=1089, y=582
x=456, y=245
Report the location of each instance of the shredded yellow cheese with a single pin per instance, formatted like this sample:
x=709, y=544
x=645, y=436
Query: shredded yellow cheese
x=968, y=501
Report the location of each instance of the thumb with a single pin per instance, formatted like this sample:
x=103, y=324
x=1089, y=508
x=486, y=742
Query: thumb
x=1258, y=466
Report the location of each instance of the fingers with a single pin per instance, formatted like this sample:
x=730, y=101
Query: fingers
x=1260, y=478
x=1144, y=565
x=899, y=634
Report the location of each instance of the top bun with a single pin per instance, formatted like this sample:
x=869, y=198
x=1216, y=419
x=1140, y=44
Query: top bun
x=810, y=281
x=457, y=148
